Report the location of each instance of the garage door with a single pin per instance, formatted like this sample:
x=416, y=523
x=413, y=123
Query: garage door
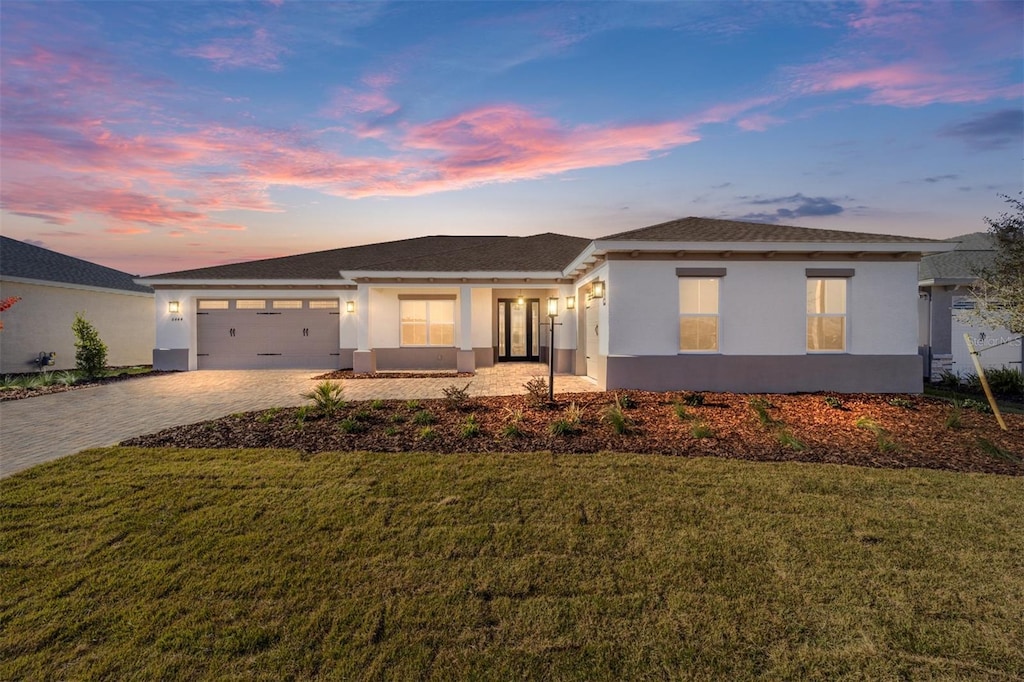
x=267, y=333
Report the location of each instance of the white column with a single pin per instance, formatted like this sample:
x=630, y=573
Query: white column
x=465, y=358
x=362, y=358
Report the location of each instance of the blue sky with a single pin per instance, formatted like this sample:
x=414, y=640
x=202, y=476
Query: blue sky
x=158, y=136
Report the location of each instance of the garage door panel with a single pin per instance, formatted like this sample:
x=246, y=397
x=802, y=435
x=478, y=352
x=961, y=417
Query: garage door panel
x=286, y=338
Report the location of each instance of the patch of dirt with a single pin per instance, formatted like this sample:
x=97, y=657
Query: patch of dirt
x=896, y=436
x=22, y=393
x=349, y=374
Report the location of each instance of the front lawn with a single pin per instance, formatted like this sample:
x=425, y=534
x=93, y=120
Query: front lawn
x=127, y=563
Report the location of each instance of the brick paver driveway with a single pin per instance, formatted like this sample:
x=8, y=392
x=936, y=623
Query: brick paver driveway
x=37, y=430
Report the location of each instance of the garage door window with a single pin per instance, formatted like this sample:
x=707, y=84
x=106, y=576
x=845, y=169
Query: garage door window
x=213, y=305
x=428, y=323
x=323, y=305
x=287, y=305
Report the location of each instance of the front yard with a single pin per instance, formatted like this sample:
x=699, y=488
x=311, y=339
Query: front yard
x=269, y=564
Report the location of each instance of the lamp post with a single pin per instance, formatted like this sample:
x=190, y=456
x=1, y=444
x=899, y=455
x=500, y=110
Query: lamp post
x=552, y=313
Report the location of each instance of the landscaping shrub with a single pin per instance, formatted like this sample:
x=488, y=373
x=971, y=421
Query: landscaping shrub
x=701, y=430
x=327, y=397
x=789, y=440
x=613, y=416
x=760, y=407
x=513, y=429
x=455, y=398
x=977, y=405
x=693, y=399
x=883, y=439
x=954, y=420
x=1006, y=382
x=990, y=448
x=680, y=409
x=350, y=425
x=902, y=402
x=90, y=351
x=835, y=402
x=427, y=433
x=570, y=422
x=423, y=417
x=378, y=404
x=537, y=390
x=470, y=427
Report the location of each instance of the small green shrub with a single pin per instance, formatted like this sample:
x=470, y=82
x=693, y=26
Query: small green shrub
x=427, y=433
x=1006, y=382
x=66, y=378
x=268, y=415
x=760, y=407
x=391, y=431
x=9, y=382
x=423, y=417
x=835, y=402
x=682, y=413
x=562, y=427
x=412, y=405
x=514, y=419
x=625, y=401
x=378, y=404
x=90, y=351
x=470, y=427
x=362, y=416
x=574, y=414
x=902, y=402
x=693, y=399
x=977, y=405
x=350, y=425
x=789, y=440
x=302, y=414
x=327, y=397
x=883, y=439
x=456, y=398
x=620, y=423
x=537, y=390
x=954, y=420
x=948, y=380
x=701, y=430
x=398, y=418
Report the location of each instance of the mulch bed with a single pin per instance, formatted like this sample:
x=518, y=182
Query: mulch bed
x=349, y=374
x=21, y=393
x=916, y=434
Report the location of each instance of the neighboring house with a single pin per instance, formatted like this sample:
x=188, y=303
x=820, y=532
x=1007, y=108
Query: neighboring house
x=945, y=281
x=53, y=287
x=695, y=303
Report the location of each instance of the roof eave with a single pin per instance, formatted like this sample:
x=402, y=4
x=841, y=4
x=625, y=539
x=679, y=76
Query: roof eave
x=186, y=283
x=604, y=246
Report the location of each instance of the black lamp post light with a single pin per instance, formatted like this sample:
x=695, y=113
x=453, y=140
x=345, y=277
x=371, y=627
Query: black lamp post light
x=552, y=313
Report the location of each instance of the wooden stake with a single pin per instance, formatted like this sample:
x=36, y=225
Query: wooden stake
x=984, y=381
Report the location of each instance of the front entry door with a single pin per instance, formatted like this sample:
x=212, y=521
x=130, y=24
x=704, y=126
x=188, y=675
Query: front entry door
x=518, y=330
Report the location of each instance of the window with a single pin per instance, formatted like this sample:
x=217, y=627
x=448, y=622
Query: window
x=428, y=323
x=826, y=315
x=287, y=305
x=698, y=314
x=250, y=304
x=323, y=305
x=213, y=305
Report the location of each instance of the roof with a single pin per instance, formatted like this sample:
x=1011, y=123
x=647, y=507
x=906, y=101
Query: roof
x=537, y=253
x=976, y=251
x=694, y=229
x=25, y=261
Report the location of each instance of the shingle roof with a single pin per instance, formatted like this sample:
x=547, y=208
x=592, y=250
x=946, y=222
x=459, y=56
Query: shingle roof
x=976, y=251
x=542, y=252
x=714, y=230
x=18, y=259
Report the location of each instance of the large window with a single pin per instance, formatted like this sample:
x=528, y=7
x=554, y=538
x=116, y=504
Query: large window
x=698, y=314
x=428, y=323
x=826, y=315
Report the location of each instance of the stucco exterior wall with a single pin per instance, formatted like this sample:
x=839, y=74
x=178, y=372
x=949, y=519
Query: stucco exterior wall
x=41, y=322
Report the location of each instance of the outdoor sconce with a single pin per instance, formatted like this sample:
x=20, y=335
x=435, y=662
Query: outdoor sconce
x=174, y=307
x=597, y=289
x=350, y=306
x=552, y=306
x=570, y=303
x=520, y=300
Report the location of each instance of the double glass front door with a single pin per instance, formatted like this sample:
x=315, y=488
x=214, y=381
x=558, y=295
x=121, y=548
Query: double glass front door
x=518, y=330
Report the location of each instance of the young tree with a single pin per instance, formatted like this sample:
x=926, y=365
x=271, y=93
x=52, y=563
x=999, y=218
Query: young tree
x=6, y=303
x=999, y=291
x=90, y=351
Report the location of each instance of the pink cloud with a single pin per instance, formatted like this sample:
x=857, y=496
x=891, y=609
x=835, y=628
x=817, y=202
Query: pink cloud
x=758, y=122
x=259, y=51
x=903, y=84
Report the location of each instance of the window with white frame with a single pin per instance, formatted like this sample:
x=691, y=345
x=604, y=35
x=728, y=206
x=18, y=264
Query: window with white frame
x=698, y=314
x=427, y=323
x=826, y=315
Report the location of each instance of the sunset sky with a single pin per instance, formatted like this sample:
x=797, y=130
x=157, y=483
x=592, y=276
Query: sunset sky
x=160, y=136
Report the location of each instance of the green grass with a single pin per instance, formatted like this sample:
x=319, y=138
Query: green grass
x=267, y=565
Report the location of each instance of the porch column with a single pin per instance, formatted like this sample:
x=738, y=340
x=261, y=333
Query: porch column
x=465, y=358
x=362, y=358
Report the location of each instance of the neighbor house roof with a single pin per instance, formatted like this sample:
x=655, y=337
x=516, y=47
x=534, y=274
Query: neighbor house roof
x=976, y=251
x=541, y=252
x=28, y=262
x=694, y=229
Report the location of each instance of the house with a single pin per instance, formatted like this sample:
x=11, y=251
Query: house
x=53, y=287
x=695, y=303
x=944, y=282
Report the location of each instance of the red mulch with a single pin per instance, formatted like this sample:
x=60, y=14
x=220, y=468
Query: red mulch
x=920, y=436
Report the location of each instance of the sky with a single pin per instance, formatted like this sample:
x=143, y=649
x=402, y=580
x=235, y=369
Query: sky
x=159, y=136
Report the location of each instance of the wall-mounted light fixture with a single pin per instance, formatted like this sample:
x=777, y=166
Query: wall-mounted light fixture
x=350, y=306
x=553, y=306
x=520, y=300
x=597, y=289
x=174, y=307
x=570, y=303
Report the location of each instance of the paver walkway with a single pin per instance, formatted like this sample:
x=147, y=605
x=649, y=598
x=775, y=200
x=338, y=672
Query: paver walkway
x=37, y=430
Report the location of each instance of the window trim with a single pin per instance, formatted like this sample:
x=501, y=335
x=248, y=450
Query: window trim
x=716, y=275
x=428, y=300
x=839, y=275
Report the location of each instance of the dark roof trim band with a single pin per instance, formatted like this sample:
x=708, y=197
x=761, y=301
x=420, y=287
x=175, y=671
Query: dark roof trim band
x=700, y=272
x=830, y=272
